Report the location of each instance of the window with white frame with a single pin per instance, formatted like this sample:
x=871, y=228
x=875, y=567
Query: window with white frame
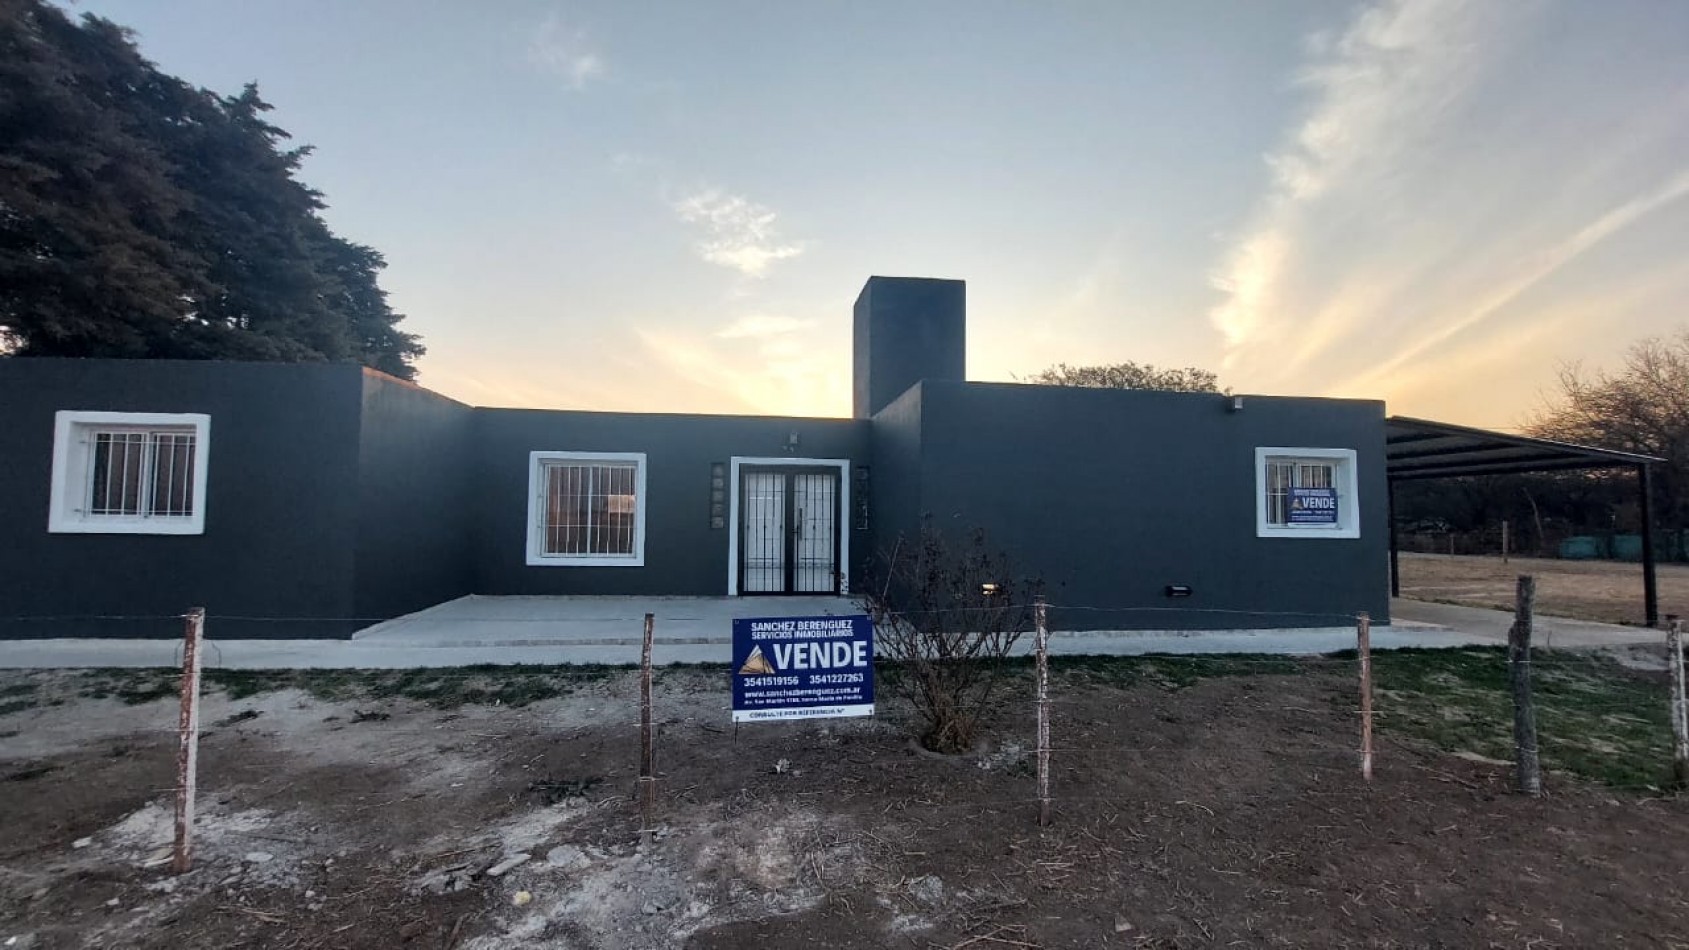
x=129, y=472
x=1306, y=493
x=586, y=509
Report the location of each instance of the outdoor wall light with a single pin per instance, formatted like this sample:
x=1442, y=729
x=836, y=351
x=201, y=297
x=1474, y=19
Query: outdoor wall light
x=1236, y=404
x=1178, y=590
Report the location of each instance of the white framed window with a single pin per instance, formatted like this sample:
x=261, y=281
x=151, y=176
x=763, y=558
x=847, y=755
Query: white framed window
x=586, y=509
x=1306, y=493
x=129, y=472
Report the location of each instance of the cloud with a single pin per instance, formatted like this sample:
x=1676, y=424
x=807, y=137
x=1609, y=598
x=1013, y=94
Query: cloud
x=761, y=325
x=739, y=234
x=1534, y=271
x=1453, y=179
x=761, y=363
x=1373, y=86
x=563, y=50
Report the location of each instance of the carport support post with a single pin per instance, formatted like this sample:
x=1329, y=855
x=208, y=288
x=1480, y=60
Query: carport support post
x=1519, y=676
x=187, y=749
x=1395, y=548
x=647, y=750
x=1679, y=702
x=1650, y=585
x=1363, y=648
x=1041, y=643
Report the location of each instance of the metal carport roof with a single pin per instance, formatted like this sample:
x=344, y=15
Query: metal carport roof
x=1419, y=448
x=1416, y=449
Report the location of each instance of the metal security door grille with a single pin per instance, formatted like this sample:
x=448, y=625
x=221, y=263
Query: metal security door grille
x=814, y=542
x=763, y=548
x=789, y=524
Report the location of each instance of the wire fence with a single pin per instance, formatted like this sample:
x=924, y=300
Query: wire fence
x=1403, y=712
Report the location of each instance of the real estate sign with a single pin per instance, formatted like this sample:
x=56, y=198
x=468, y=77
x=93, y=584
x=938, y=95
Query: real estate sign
x=1313, y=506
x=802, y=667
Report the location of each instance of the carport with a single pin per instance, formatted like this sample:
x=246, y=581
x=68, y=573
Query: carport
x=1417, y=449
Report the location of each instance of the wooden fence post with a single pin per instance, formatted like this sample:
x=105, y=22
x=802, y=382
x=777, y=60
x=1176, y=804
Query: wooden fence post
x=1042, y=648
x=1529, y=772
x=187, y=749
x=647, y=748
x=1679, y=702
x=1363, y=647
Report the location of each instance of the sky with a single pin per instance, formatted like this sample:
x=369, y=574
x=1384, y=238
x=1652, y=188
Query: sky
x=672, y=206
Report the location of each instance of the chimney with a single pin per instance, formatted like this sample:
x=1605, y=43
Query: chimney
x=907, y=329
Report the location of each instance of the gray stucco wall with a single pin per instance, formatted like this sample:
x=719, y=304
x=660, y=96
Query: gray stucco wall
x=334, y=493
x=281, y=502
x=1112, y=495
x=414, y=523
x=683, y=554
x=896, y=480
x=906, y=329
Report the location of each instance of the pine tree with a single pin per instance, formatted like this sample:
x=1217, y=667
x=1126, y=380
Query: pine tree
x=141, y=217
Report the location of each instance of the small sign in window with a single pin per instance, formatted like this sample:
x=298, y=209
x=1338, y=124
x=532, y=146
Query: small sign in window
x=1313, y=507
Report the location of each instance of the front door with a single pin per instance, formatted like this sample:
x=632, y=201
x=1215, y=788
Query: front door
x=788, y=530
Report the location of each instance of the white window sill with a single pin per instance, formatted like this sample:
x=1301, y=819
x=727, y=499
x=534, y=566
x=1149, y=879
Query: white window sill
x=1298, y=531
x=570, y=560
x=126, y=526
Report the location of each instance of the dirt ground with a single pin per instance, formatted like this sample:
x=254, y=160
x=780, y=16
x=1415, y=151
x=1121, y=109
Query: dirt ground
x=1224, y=811
x=1603, y=591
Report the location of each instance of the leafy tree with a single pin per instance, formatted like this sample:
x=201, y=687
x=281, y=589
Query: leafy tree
x=142, y=217
x=1643, y=408
x=1130, y=376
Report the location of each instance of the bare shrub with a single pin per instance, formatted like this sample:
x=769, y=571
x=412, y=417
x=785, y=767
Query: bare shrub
x=948, y=615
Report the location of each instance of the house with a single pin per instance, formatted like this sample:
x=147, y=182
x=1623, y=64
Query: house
x=296, y=500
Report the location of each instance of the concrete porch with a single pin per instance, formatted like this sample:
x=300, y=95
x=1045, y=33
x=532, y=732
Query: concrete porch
x=553, y=630
x=482, y=622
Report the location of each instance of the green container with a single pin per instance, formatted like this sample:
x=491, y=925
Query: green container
x=1627, y=547
x=1580, y=547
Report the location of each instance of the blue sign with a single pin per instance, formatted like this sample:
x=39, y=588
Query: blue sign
x=1313, y=506
x=802, y=668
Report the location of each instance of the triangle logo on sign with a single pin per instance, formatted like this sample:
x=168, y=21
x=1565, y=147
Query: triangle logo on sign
x=756, y=664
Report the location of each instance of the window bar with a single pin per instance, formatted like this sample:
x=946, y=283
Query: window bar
x=619, y=525
x=179, y=496
x=135, y=504
x=188, y=476
x=168, y=444
x=556, y=508
x=594, y=519
x=101, y=500
x=628, y=527
x=122, y=475
x=130, y=457
x=144, y=472
x=573, y=530
x=612, y=519
x=570, y=512
x=568, y=538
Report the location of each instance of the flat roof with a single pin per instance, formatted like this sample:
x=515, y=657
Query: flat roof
x=1420, y=448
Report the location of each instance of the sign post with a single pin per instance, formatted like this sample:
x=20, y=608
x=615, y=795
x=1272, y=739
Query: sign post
x=802, y=668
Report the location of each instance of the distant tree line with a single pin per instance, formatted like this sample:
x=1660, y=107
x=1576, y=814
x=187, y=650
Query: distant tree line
x=1130, y=375
x=144, y=217
x=1641, y=407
